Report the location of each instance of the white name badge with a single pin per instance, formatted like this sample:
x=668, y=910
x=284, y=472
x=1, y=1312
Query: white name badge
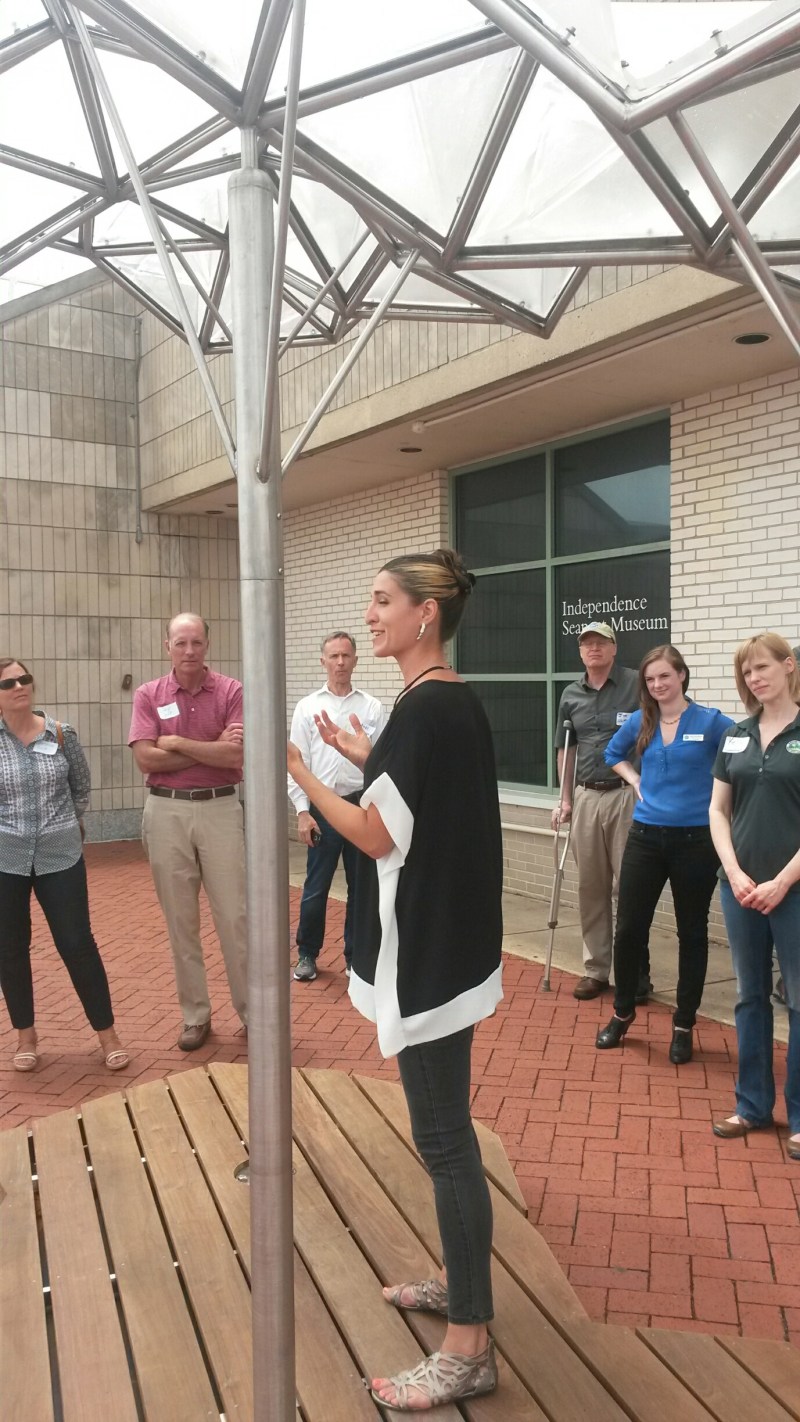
x=734, y=744
x=688, y=737
x=165, y=712
x=45, y=747
x=622, y=717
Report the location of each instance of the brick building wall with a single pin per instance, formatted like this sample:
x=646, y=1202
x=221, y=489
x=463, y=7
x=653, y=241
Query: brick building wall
x=735, y=525
x=81, y=600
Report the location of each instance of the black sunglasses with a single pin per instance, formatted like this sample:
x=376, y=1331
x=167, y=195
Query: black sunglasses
x=9, y=682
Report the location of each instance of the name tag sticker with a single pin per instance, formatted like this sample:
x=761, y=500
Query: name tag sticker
x=734, y=744
x=44, y=747
x=165, y=712
x=688, y=737
x=622, y=717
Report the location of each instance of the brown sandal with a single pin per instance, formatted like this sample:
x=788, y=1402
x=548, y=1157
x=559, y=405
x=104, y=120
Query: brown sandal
x=441, y=1378
x=429, y=1296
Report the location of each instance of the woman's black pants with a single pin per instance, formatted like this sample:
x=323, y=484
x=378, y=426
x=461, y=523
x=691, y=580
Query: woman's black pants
x=654, y=855
x=436, y=1081
x=64, y=899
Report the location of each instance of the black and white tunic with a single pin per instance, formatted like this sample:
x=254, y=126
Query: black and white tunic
x=428, y=932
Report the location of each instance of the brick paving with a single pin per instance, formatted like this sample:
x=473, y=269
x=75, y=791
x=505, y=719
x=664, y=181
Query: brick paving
x=653, y=1219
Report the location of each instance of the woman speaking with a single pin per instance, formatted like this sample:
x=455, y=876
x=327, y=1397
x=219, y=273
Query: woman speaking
x=426, y=950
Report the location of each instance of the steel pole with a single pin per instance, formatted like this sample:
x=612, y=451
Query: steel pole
x=262, y=614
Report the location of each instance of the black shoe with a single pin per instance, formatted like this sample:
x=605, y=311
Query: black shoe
x=612, y=1035
x=644, y=989
x=680, y=1050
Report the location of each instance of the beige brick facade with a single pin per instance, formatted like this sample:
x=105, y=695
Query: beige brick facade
x=83, y=601
x=735, y=525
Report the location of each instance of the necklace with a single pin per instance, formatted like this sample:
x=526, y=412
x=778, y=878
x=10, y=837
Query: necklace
x=673, y=719
x=438, y=667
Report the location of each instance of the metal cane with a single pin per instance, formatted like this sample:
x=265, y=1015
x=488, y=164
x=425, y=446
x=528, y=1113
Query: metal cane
x=560, y=851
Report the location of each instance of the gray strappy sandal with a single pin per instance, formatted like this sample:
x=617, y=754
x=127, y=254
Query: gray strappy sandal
x=442, y=1378
x=429, y=1296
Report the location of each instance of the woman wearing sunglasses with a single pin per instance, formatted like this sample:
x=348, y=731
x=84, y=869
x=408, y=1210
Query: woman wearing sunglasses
x=44, y=791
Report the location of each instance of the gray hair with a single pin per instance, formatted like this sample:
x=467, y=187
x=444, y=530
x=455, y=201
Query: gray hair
x=334, y=637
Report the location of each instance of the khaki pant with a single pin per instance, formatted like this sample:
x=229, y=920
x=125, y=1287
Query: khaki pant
x=601, y=820
x=189, y=843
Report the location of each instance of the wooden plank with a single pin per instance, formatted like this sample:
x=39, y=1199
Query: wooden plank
x=774, y=1364
x=729, y=1392
x=516, y=1242
x=216, y=1286
x=169, y=1364
x=378, y=1338
x=231, y=1083
x=329, y=1385
x=647, y=1390
x=24, y=1361
x=219, y=1146
x=557, y=1381
x=495, y=1161
x=92, y=1363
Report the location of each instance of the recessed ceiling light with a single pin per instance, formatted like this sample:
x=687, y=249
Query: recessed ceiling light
x=751, y=338
x=213, y=511
x=411, y=449
x=231, y=506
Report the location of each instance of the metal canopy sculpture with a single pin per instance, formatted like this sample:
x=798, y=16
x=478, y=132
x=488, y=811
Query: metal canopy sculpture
x=511, y=146
x=462, y=160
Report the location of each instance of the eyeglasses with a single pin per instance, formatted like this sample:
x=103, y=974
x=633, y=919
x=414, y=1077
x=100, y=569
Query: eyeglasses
x=9, y=682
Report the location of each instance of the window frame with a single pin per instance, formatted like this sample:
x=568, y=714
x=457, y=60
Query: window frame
x=518, y=792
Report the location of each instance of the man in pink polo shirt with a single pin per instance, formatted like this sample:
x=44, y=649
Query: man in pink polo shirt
x=187, y=738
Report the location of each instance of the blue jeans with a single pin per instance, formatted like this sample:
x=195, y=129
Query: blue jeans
x=751, y=935
x=436, y=1081
x=321, y=863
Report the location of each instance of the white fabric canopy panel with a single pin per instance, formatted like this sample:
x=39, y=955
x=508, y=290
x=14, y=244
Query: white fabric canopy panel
x=511, y=145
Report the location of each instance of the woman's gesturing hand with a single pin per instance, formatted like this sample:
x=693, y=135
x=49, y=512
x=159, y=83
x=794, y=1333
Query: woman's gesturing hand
x=354, y=745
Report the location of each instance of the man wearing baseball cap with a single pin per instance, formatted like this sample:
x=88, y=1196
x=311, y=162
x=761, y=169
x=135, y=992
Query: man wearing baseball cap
x=595, y=707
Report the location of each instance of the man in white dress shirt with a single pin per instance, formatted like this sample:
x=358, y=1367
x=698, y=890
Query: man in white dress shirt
x=341, y=700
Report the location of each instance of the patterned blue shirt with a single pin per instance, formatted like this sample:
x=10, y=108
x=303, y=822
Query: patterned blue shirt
x=43, y=792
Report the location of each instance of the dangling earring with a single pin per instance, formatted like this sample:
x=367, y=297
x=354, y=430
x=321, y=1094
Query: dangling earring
x=422, y=627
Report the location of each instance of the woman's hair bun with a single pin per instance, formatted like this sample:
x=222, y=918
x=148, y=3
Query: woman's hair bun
x=455, y=564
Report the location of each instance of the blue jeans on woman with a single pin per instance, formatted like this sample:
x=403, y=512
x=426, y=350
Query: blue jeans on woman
x=436, y=1081
x=751, y=935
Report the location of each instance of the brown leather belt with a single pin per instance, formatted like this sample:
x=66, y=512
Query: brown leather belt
x=210, y=792
x=600, y=784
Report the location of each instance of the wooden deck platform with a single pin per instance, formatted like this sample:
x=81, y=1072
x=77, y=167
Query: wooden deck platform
x=124, y=1266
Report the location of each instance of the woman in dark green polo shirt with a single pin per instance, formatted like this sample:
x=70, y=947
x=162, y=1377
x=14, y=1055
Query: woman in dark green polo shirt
x=755, y=824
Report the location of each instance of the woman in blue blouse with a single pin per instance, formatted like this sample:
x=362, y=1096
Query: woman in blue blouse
x=44, y=790
x=669, y=840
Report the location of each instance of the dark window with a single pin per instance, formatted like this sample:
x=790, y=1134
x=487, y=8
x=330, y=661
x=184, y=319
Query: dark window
x=505, y=630
x=631, y=594
x=604, y=495
x=501, y=514
x=613, y=492
x=517, y=712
